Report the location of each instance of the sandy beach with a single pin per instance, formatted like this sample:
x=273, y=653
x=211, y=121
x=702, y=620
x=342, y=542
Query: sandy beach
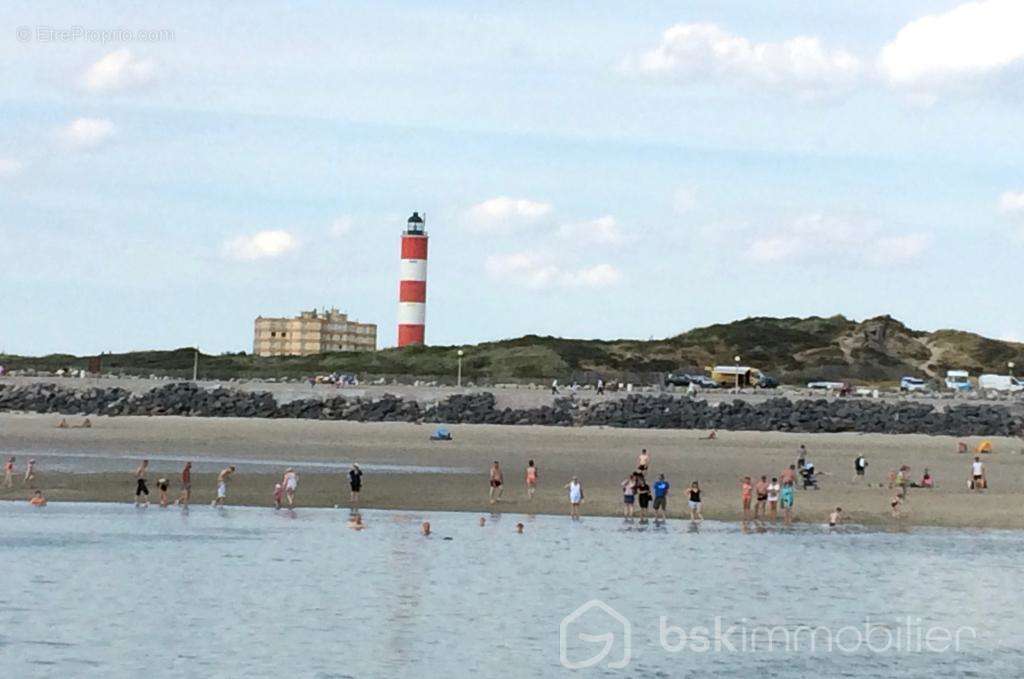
x=601, y=457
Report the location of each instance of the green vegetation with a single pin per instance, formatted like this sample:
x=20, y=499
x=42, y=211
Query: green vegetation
x=792, y=349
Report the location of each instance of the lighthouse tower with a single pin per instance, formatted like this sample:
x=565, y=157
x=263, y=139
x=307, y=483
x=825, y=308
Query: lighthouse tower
x=412, y=286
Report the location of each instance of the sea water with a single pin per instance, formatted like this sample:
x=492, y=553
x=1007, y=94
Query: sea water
x=94, y=590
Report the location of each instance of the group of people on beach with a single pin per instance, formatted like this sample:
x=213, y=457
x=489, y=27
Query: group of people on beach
x=284, y=490
x=10, y=471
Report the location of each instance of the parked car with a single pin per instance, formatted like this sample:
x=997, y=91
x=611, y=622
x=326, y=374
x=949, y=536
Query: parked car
x=677, y=380
x=913, y=384
x=686, y=379
x=827, y=386
x=703, y=381
x=767, y=382
x=1006, y=383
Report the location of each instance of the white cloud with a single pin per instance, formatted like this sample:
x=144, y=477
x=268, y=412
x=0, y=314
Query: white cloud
x=972, y=39
x=703, y=50
x=9, y=168
x=824, y=236
x=83, y=134
x=603, y=230
x=503, y=211
x=117, y=71
x=537, y=271
x=342, y=226
x=1012, y=202
x=898, y=249
x=260, y=245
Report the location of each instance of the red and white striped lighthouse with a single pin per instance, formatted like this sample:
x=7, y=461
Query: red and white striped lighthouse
x=412, y=286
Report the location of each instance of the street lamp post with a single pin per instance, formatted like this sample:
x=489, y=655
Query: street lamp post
x=458, y=379
x=737, y=360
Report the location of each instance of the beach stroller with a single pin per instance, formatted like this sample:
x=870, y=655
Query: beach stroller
x=441, y=434
x=810, y=479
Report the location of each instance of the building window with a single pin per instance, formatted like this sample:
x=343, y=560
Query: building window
x=284, y=334
x=273, y=333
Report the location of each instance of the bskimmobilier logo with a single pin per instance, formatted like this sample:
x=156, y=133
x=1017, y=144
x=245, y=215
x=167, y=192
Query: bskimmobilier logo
x=604, y=617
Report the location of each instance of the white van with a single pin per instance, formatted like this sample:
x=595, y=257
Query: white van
x=958, y=380
x=1000, y=383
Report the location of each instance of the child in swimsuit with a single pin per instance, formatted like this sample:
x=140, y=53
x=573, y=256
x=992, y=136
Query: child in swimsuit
x=278, y=494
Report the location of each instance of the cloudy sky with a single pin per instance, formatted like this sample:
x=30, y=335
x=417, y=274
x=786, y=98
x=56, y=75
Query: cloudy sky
x=588, y=169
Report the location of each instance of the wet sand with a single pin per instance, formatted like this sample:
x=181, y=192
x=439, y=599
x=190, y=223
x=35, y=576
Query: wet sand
x=601, y=457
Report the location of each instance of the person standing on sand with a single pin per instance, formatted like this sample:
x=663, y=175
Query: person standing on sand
x=575, y=488
x=835, y=518
x=746, y=492
x=141, y=490
x=355, y=484
x=695, y=502
x=9, y=472
x=290, y=482
x=497, y=478
x=979, y=480
x=788, y=475
x=531, y=480
x=278, y=495
x=773, y=498
x=30, y=473
x=628, y=496
x=787, y=496
x=761, y=504
x=895, y=505
x=661, y=487
x=186, y=486
x=801, y=456
x=222, y=486
x=860, y=465
x=643, y=494
x=643, y=461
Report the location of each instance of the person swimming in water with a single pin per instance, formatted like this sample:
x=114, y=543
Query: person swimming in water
x=37, y=499
x=425, y=528
x=519, y=528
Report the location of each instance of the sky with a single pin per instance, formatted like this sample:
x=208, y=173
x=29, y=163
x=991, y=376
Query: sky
x=170, y=171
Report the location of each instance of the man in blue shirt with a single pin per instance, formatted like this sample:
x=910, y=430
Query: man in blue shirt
x=660, y=497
